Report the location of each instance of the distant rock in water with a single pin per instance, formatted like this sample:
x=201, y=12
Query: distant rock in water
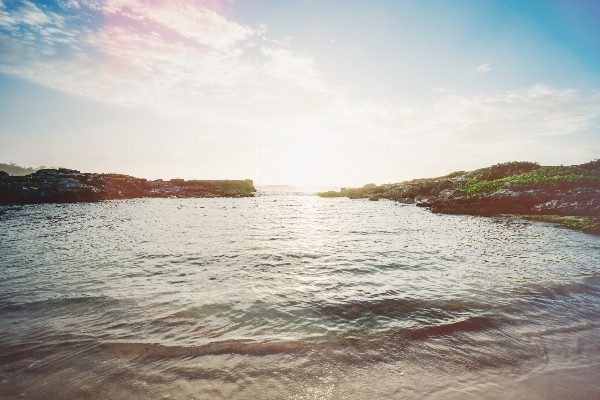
x=14, y=169
x=67, y=186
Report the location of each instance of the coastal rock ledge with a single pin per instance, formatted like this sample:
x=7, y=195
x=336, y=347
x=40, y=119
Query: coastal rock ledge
x=569, y=195
x=68, y=186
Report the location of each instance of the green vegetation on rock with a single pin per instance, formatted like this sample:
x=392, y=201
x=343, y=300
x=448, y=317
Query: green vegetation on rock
x=499, y=171
x=557, y=177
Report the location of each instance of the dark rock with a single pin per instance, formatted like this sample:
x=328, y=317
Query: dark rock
x=56, y=172
x=539, y=201
x=591, y=166
x=451, y=193
x=331, y=193
x=583, y=203
x=513, y=186
x=65, y=185
x=435, y=191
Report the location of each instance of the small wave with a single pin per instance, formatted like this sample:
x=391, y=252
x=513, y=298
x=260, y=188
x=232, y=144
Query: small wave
x=303, y=255
x=396, y=307
x=242, y=347
x=589, y=285
x=250, y=347
x=564, y=329
x=62, y=304
x=471, y=324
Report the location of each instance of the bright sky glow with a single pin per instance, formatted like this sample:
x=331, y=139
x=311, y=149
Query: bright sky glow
x=298, y=92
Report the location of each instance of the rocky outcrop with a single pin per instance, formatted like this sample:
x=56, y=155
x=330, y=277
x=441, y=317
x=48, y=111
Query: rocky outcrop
x=529, y=202
x=591, y=166
x=451, y=193
x=14, y=170
x=66, y=185
x=408, y=193
x=523, y=188
x=579, y=203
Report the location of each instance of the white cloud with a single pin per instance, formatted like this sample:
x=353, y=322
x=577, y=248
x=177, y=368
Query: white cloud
x=27, y=14
x=184, y=17
x=296, y=68
x=532, y=113
x=528, y=113
x=182, y=58
x=483, y=68
x=176, y=56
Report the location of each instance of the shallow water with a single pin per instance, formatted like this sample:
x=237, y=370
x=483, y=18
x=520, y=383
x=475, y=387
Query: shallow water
x=287, y=295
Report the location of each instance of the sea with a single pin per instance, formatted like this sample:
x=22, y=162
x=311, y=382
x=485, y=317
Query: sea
x=290, y=296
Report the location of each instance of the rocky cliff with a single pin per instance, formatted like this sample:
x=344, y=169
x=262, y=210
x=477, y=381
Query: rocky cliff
x=66, y=185
x=522, y=188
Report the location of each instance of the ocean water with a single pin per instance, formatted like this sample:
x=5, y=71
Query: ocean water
x=287, y=295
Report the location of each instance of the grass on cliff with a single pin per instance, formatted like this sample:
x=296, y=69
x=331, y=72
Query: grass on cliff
x=499, y=171
x=558, y=177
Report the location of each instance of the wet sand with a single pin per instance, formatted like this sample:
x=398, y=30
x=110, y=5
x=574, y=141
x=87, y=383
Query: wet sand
x=287, y=376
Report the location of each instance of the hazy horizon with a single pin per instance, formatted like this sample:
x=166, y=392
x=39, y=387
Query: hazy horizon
x=322, y=94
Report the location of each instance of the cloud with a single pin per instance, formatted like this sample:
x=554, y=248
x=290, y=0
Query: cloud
x=284, y=64
x=528, y=113
x=180, y=56
x=29, y=15
x=483, y=68
x=185, y=58
x=187, y=18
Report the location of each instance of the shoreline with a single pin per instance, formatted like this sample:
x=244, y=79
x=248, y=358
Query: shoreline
x=552, y=375
x=589, y=225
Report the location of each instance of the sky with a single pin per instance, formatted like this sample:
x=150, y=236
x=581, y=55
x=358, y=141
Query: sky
x=312, y=93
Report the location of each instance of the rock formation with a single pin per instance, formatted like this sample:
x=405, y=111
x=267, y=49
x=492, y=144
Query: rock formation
x=521, y=188
x=67, y=185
